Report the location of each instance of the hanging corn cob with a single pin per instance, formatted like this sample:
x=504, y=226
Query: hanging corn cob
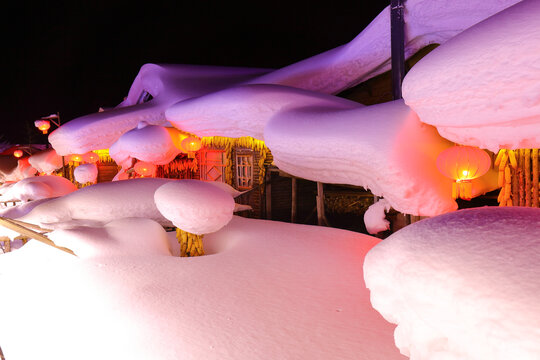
x=190, y=244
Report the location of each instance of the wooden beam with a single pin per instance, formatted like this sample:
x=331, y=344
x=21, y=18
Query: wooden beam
x=293, y=200
x=9, y=224
x=268, y=195
x=321, y=218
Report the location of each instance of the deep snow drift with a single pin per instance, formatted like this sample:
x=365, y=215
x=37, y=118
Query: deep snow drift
x=269, y=291
x=481, y=88
x=464, y=285
x=384, y=148
x=46, y=161
x=38, y=187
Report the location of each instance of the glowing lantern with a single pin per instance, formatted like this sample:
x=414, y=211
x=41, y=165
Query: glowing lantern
x=18, y=153
x=91, y=157
x=145, y=169
x=43, y=125
x=76, y=158
x=191, y=144
x=463, y=164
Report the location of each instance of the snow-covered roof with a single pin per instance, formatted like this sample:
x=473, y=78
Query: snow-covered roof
x=481, y=88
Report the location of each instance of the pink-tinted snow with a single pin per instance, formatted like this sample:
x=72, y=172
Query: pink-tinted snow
x=482, y=87
x=46, y=161
x=464, y=285
x=195, y=206
x=269, y=291
x=86, y=173
x=38, y=187
x=384, y=148
x=149, y=143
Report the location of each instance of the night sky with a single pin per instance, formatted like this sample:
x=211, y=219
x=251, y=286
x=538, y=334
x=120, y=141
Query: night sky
x=73, y=57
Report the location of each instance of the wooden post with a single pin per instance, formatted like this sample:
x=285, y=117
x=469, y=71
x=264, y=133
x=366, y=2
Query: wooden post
x=535, y=195
x=321, y=218
x=293, y=199
x=268, y=194
x=527, y=170
x=397, y=25
x=521, y=161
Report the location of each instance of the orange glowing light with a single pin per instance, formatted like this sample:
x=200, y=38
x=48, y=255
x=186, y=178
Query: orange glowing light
x=18, y=153
x=463, y=164
x=145, y=169
x=76, y=158
x=191, y=144
x=91, y=157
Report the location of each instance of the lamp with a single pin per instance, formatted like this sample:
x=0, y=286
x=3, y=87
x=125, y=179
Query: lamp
x=191, y=144
x=18, y=153
x=463, y=164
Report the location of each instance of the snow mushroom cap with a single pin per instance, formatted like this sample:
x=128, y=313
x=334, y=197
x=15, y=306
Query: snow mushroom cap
x=463, y=285
x=195, y=206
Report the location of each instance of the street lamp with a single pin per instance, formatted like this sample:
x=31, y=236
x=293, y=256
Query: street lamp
x=44, y=124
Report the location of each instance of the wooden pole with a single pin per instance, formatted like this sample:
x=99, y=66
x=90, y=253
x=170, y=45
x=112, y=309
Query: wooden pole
x=527, y=170
x=535, y=194
x=521, y=161
x=293, y=199
x=8, y=223
x=321, y=218
x=397, y=29
x=268, y=194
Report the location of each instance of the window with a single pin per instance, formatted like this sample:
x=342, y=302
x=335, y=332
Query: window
x=212, y=165
x=244, y=170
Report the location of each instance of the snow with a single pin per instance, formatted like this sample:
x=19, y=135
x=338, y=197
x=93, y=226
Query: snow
x=167, y=84
x=481, y=88
x=244, y=110
x=101, y=203
x=46, y=161
x=384, y=148
x=195, y=206
x=23, y=170
x=269, y=291
x=38, y=187
x=374, y=217
x=367, y=55
x=463, y=285
x=86, y=173
x=149, y=143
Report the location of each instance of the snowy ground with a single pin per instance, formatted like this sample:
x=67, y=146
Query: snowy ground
x=268, y=290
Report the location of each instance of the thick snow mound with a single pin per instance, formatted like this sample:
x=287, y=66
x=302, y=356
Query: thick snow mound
x=167, y=84
x=368, y=54
x=244, y=110
x=481, y=87
x=86, y=173
x=122, y=237
x=375, y=217
x=46, y=161
x=270, y=291
x=195, y=206
x=100, y=204
x=149, y=143
x=21, y=171
x=464, y=285
x=384, y=148
x=38, y=187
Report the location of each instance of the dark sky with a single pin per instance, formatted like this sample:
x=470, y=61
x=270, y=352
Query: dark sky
x=74, y=56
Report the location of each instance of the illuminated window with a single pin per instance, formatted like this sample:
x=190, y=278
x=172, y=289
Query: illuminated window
x=244, y=170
